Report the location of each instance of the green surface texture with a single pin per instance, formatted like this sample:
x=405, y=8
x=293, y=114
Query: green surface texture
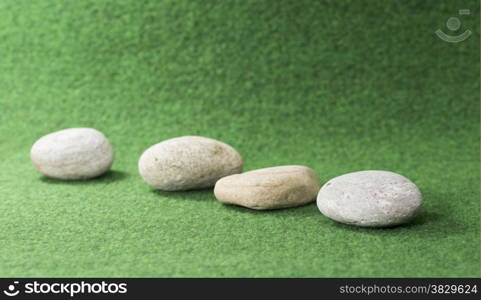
x=339, y=86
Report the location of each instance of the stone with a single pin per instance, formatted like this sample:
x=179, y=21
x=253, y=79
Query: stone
x=370, y=199
x=187, y=163
x=72, y=154
x=269, y=188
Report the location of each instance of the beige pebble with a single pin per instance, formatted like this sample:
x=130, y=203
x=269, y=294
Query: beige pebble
x=269, y=188
x=188, y=162
x=72, y=154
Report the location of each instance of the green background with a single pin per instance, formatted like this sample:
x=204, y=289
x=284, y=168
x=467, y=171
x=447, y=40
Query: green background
x=338, y=86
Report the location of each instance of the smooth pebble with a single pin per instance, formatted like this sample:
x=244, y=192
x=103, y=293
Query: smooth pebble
x=72, y=154
x=188, y=162
x=269, y=188
x=370, y=199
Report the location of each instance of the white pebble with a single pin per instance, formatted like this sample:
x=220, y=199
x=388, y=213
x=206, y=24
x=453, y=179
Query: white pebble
x=72, y=154
x=189, y=162
x=370, y=199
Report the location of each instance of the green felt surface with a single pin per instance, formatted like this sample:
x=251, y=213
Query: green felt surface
x=339, y=86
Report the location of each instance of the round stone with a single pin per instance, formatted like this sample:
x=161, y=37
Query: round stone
x=269, y=188
x=370, y=199
x=72, y=154
x=189, y=162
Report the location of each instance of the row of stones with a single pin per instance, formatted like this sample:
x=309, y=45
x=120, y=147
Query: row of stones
x=365, y=198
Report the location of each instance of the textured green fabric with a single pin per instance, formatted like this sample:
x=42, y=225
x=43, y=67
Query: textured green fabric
x=338, y=86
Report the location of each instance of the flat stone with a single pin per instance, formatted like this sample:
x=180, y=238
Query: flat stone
x=370, y=199
x=72, y=154
x=188, y=162
x=269, y=188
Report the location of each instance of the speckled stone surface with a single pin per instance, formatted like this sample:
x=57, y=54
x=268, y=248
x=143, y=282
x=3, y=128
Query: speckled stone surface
x=72, y=154
x=189, y=162
x=370, y=199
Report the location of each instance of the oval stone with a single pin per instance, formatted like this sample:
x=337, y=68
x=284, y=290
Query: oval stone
x=370, y=199
x=72, y=154
x=188, y=162
x=269, y=188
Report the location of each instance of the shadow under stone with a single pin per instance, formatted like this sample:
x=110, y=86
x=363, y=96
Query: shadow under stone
x=309, y=209
x=427, y=223
x=196, y=195
x=108, y=177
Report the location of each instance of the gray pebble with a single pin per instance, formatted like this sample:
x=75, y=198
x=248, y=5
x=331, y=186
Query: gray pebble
x=189, y=162
x=72, y=154
x=370, y=199
x=269, y=188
